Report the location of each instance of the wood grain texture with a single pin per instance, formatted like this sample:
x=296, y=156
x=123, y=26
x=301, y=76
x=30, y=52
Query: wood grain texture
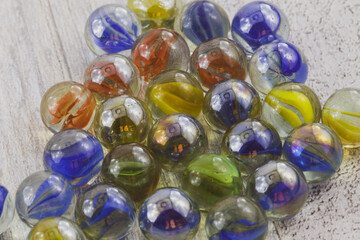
x=42, y=44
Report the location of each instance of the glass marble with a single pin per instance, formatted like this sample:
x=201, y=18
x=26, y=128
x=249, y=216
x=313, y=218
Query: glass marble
x=7, y=209
x=250, y=144
x=44, y=194
x=209, y=178
x=174, y=91
x=316, y=150
x=200, y=21
x=105, y=212
x=176, y=139
x=280, y=188
x=67, y=105
x=74, y=154
x=230, y=102
x=169, y=214
x=216, y=60
x=289, y=105
x=276, y=63
x=56, y=228
x=341, y=113
x=258, y=23
x=122, y=119
x=112, y=75
x=134, y=168
x=159, y=49
x=155, y=13
x=236, y=217
x=111, y=29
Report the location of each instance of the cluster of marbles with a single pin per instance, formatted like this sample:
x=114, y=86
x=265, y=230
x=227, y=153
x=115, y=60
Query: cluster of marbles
x=111, y=29
x=159, y=49
x=133, y=167
x=44, y=194
x=289, y=105
x=74, y=154
x=216, y=60
x=67, y=105
x=316, y=150
x=341, y=112
x=112, y=75
x=105, y=212
x=174, y=91
x=122, y=119
x=155, y=13
x=176, y=139
x=7, y=209
x=229, y=102
x=169, y=214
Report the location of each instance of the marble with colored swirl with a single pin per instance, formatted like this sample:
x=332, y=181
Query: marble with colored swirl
x=105, y=212
x=122, y=119
x=74, y=154
x=258, y=23
x=7, y=209
x=236, y=217
x=289, y=105
x=111, y=29
x=316, y=150
x=280, y=189
x=275, y=63
x=209, y=178
x=158, y=50
x=44, y=194
x=229, y=102
x=67, y=105
x=174, y=91
x=169, y=214
x=250, y=144
x=176, y=139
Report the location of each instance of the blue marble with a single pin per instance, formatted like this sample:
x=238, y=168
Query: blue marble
x=316, y=150
x=203, y=20
x=229, y=102
x=111, y=29
x=250, y=144
x=169, y=214
x=44, y=194
x=75, y=154
x=104, y=211
x=6, y=209
x=280, y=188
x=258, y=23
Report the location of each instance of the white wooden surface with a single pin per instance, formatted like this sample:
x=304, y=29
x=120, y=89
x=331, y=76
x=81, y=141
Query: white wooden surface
x=41, y=43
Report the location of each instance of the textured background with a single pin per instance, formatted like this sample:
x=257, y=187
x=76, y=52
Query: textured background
x=42, y=44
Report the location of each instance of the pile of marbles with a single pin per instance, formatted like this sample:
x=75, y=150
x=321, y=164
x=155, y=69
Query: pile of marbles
x=142, y=107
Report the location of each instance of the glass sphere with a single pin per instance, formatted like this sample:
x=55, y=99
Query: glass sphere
x=275, y=63
x=67, y=105
x=105, y=212
x=122, y=119
x=74, y=154
x=133, y=167
x=111, y=29
x=280, y=188
x=341, y=113
x=316, y=150
x=169, y=214
x=174, y=91
x=176, y=139
x=112, y=75
x=289, y=105
x=250, y=144
x=7, y=209
x=236, y=217
x=258, y=23
x=209, y=178
x=229, y=102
